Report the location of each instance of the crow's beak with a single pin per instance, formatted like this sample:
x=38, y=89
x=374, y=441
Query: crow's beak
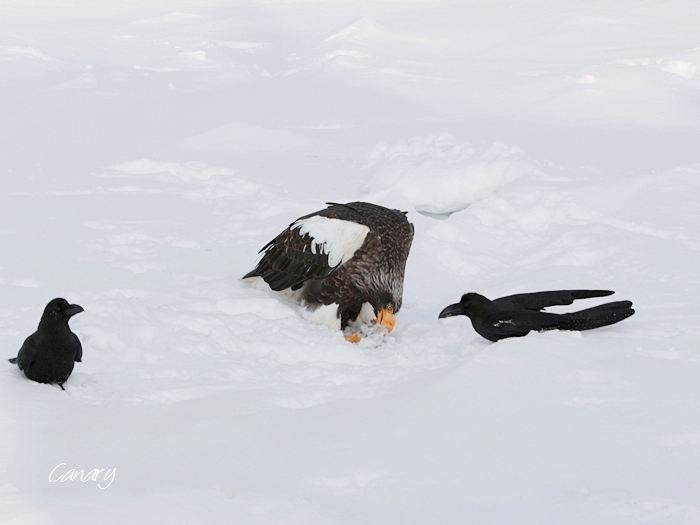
x=387, y=319
x=73, y=309
x=452, y=310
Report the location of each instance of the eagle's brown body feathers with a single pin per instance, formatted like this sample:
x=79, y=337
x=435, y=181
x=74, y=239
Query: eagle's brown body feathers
x=373, y=274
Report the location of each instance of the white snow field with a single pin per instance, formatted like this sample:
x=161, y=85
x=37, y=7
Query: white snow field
x=149, y=149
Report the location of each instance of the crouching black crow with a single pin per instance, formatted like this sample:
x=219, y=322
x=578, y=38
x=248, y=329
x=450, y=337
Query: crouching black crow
x=517, y=315
x=49, y=354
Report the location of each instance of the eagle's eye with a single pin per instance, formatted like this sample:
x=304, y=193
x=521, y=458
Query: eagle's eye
x=390, y=307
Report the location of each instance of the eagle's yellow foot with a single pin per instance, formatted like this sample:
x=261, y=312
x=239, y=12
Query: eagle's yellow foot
x=354, y=338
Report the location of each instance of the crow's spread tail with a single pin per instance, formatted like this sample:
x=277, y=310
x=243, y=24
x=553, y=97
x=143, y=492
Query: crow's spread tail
x=598, y=316
x=13, y=360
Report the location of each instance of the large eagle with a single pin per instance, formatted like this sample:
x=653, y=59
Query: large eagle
x=344, y=258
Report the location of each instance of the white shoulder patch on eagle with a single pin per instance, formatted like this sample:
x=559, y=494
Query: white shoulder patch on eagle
x=337, y=238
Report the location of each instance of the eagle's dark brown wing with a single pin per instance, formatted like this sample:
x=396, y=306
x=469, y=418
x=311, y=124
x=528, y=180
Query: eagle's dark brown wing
x=292, y=258
x=316, y=254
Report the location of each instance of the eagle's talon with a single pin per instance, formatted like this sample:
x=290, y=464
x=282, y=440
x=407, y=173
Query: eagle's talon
x=354, y=338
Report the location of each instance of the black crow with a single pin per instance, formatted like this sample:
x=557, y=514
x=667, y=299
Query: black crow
x=517, y=315
x=49, y=354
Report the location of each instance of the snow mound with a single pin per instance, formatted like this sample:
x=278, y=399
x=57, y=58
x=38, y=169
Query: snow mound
x=28, y=52
x=440, y=176
x=192, y=171
x=193, y=179
x=351, y=46
x=362, y=31
x=685, y=64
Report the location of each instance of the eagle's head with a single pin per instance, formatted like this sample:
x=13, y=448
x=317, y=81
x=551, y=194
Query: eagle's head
x=385, y=306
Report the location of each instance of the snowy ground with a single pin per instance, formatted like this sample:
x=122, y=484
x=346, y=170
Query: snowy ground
x=148, y=150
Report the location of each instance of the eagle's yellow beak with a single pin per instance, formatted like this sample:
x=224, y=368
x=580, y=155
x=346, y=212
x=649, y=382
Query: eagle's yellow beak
x=386, y=318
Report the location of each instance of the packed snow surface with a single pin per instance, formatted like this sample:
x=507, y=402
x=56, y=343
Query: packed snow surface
x=150, y=149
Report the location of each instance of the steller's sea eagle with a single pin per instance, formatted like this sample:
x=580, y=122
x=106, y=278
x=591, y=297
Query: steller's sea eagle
x=345, y=257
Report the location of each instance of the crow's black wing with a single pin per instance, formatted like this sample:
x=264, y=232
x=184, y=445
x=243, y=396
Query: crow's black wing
x=539, y=300
x=515, y=323
x=78, y=349
x=26, y=354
